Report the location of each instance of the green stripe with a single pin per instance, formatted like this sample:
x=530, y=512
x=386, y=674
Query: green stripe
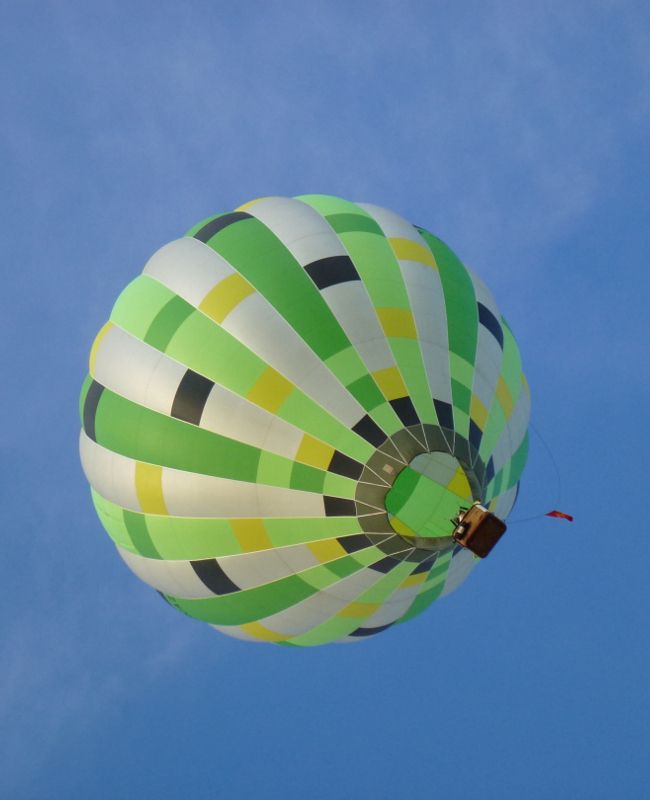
x=261, y=601
x=112, y=519
x=462, y=322
x=263, y=260
x=284, y=532
x=360, y=222
x=511, y=366
x=381, y=274
x=337, y=627
x=254, y=251
x=170, y=317
x=460, y=299
x=188, y=538
x=421, y=602
x=495, y=424
x=249, y=605
x=136, y=525
x=211, y=351
x=431, y=589
x=366, y=392
x=511, y=373
x=145, y=435
x=518, y=462
x=139, y=304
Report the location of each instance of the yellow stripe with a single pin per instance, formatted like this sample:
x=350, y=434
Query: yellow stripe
x=413, y=580
x=326, y=550
x=390, y=382
x=225, y=296
x=251, y=534
x=504, y=397
x=459, y=484
x=314, y=452
x=358, y=609
x=270, y=390
x=258, y=631
x=93, y=350
x=250, y=203
x=399, y=527
x=478, y=412
x=397, y=322
x=148, y=487
x=412, y=251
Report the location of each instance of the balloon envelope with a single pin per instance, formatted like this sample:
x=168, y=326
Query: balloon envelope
x=285, y=410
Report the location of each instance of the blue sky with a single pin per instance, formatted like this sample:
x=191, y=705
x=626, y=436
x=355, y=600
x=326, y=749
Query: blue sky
x=516, y=131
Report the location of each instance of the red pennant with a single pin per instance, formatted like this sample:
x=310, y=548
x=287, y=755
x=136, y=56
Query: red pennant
x=559, y=515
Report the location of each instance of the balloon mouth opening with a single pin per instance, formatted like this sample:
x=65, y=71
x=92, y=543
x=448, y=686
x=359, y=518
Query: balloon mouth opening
x=425, y=497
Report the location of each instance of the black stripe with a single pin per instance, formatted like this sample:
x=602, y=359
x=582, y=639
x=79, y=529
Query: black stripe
x=475, y=434
x=394, y=546
x=370, y=631
x=488, y=320
x=344, y=465
x=445, y=413
x=212, y=575
x=386, y=564
x=425, y=566
x=405, y=410
x=206, y=233
x=191, y=397
x=489, y=471
x=370, y=431
x=90, y=408
x=330, y=271
x=358, y=541
x=339, y=507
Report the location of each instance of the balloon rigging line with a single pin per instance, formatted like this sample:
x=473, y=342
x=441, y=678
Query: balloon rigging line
x=558, y=479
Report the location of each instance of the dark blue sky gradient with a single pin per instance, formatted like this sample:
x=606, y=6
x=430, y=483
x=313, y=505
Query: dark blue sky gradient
x=520, y=136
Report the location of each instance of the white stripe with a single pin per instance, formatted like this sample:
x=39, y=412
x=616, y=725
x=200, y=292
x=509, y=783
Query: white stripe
x=135, y=370
x=189, y=494
x=176, y=578
x=261, y=328
x=460, y=567
x=110, y=474
x=299, y=227
x=188, y=267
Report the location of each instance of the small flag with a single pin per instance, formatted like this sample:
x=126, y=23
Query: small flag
x=559, y=515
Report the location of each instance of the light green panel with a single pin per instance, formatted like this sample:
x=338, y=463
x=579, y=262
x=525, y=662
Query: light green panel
x=380, y=272
x=339, y=486
x=138, y=304
x=274, y=470
x=112, y=519
x=337, y=627
x=300, y=410
x=326, y=204
x=409, y=359
x=462, y=370
x=496, y=422
x=283, y=532
x=511, y=366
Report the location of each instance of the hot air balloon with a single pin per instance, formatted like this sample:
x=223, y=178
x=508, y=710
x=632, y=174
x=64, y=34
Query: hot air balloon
x=290, y=412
